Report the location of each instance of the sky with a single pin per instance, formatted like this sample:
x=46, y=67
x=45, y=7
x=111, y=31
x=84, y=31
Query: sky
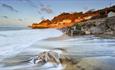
x=26, y=12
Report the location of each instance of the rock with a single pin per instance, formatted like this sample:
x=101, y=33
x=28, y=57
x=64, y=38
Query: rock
x=96, y=30
x=87, y=32
x=109, y=33
x=101, y=26
x=111, y=23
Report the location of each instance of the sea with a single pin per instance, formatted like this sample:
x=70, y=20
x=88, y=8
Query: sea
x=20, y=43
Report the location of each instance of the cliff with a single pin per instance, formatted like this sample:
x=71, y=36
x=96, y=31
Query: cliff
x=69, y=19
x=101, y=26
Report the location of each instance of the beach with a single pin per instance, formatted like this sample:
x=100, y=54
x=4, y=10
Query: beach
x=88, y=52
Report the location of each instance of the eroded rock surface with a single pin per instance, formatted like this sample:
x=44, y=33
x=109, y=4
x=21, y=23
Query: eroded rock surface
x=102, y=26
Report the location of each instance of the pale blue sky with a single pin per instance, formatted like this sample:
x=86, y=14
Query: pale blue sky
x=25, y=12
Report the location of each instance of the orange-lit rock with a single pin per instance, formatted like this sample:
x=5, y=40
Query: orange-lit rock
x=88, y=17
x=42, y=24
x=78, y=20
x=69, y=19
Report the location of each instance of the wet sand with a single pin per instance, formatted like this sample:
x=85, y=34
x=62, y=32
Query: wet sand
x=91, y=63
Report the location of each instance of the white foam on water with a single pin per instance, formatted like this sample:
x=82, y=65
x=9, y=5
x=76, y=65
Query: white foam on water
x=51, y=66
x=17, y=41
x=14, y=43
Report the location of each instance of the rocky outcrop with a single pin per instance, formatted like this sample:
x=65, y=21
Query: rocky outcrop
x=68, y=19
x=102, y=26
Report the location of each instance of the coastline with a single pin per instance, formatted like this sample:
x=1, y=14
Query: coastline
x=97, y=27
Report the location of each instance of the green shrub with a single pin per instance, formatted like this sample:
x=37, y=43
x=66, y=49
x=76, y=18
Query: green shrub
x=78, y=26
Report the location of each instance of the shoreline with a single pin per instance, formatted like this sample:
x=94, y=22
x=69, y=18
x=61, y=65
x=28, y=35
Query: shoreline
x=62, y=37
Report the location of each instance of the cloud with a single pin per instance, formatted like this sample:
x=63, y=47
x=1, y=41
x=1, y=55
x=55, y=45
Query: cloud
x=29, y=2
x=46, y=8
x=6, y=17
x=39, y=12
x=20, y=20
x=9, y=7
x=41, y=5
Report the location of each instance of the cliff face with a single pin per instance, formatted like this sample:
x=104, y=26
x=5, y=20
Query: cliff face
x=68, y=19
x=42, y=24
x=65, y=20
x=64, y=16
x=60, y=21
x=102, y=26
